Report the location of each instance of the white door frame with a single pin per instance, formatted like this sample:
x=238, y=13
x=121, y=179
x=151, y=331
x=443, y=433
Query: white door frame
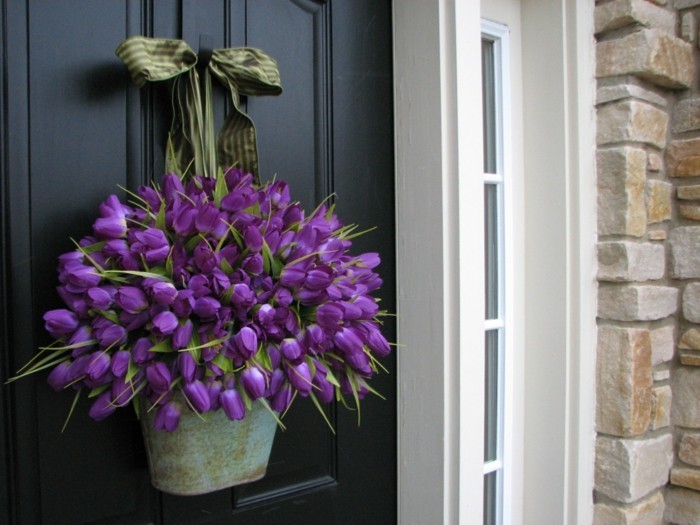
x=440, y=260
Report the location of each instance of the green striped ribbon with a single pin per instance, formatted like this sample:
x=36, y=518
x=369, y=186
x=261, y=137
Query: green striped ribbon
x=243, y=70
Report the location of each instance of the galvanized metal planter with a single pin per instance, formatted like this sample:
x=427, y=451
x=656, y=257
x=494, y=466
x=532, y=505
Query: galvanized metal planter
x=204, y=456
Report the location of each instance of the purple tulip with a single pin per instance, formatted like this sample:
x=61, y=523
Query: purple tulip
x=102, y=407
x=182, y=334
x=246, y=341
x=232, y=403
x=98, y=297
x=351, y=311
x=214, y=388
x=282, y=399
x=164, y=323
x=377, y=342
x=329, y=316
x=368, y=306
x=60, y=322
x=78, y=278
x=110, y=227
x=207, y=308
x=360, y=362
x=58, y=379
x=198, y=395
x=74, y=301
x=112, y=207
x=291, y=349
x=158, y=376
x=153, y=244
x=292, y=276
x=254, y=383
x=319, y=278
x=242, y=295
x=81, y=337
x=131, y=299
x=199, y=285
x=168, y=417
x=111, y=335
x=184, y=217
x=121, y=392
x=348, y=341
x=164, y=293
x=98, y=365
x=208, y=218
x=120, y=363
x=324, y=390
x=253, y=264
x=299, y=376
x=141, y=351
x=205, y=258
x=253, y=239
x=182, y=307
x=187, y=366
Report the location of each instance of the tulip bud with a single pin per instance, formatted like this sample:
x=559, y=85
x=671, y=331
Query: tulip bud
x=198, y=395
x=164, y=323
x=60, y=322
x=102, y=407
x=232, y=403
x=182, y=335
x=254, y=383
x=58, y=379
x=246, y=341
x=158, y=376
x=168, y=417
x=291, y=349
x=300, y=377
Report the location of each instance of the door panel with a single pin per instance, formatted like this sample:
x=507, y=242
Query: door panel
x=73, y=129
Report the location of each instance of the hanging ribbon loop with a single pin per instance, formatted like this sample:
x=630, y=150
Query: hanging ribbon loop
x=244, y=71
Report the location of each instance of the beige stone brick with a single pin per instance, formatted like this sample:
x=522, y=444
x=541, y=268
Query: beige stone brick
x=661, y=375
x=661, y=398
x=686, y=115
x=691, y=302
x=658, y=201
x=622, y=261
x=689, y=448
x=621, y=188
x=688, y=193
x=636, y=302
x=685, y=382
x=652, y=54
x=626, y=470
x=662, y=344
x=689, y=27
x=655, y=162
x=649, y=511
x=690, y=359
x=605, y=94
x=621, y=13
x=690, y=340
x=683, y=158
x=689, y=211
x=657, y=235
x=685, y=4
x=624, y=381
x=682, y=507
x=632, y=121
x=685, y=246
x=686, y=477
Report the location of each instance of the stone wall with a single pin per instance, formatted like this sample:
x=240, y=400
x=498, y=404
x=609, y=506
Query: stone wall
x=648, y=176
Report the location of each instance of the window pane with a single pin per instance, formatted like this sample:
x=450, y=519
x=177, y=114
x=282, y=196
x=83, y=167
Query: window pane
x=491, y=249
x=489, y=105
x=490, y=498
x=491, y=396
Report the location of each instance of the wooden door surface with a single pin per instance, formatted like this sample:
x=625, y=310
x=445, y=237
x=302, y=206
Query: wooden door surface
x=73, y=129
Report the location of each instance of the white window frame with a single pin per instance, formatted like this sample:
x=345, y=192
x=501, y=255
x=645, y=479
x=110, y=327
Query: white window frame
x=499, y=35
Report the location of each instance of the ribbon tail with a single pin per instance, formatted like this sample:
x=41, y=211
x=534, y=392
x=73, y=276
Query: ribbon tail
x=237, y=144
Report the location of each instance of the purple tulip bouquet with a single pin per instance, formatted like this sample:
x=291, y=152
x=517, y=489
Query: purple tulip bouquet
x=209, y=295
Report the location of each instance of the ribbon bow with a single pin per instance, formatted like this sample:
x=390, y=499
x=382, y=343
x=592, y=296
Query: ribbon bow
x=243, y=70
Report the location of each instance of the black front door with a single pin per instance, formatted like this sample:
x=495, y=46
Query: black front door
x=73, y=129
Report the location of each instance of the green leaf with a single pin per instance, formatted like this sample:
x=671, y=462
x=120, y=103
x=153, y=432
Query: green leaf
x=70, y=412
x=321, y=411
x=132, y=371
x=160, y=218
x=223, y=362
x=97, y=391
x=163, y=347
x=263, y=358
x=228, y=270
x=152, y=275
x=220, y=189
x=353, y=385
x=263, y=402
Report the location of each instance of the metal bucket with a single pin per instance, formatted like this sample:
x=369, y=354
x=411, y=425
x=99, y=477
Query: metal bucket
x=204, y=456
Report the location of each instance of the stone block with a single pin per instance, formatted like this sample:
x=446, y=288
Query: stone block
x=690, y=340
x=691, y=302
x=607, y=94
x=682, y=507
x=688, y=193
x=685, y=383
x=689, y=211
x=661, y=374
x=649, y=511
x=686, y=115
x=624, y=381
x=658, y=201
x=686, y=477
x=636, y=302
x=651, y=54
x=689, y=27
x=662, y=344
x=632, y=121
x=657, y=235
x=690, y=359
x=621, y=13
x=629, y=469
x=685, y=4
x=685, y=252
x=683, y=158
x=655, y=162
x=661, y=398
x=622, y=261
x=689, y=449
x=621, y=187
